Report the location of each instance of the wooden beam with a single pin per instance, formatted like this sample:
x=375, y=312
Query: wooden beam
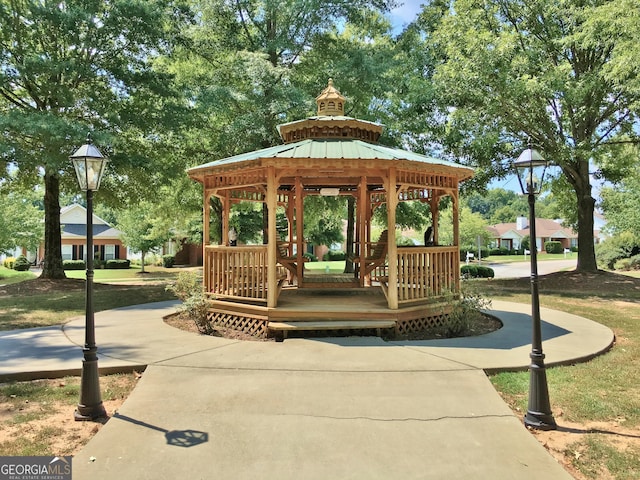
x=299, y=218
x=392, y=203
x=272, y=198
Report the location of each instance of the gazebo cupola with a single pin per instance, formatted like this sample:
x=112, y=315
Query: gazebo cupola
x=330, y=122
x=330, y=102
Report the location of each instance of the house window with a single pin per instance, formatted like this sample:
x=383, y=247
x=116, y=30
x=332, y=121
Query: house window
x=67, y=252
x=109, y=252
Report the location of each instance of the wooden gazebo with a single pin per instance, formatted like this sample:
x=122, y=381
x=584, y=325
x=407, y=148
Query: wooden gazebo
x=330, y=154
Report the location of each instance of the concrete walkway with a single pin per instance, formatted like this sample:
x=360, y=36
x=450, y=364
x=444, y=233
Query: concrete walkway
x=336, y=408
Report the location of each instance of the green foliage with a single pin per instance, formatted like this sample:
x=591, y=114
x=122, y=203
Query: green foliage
x=310, y=257
x=143, y=228
x=117, y=264
x=188, y=288
x=185, y=285
x=616, y=248
x=168, y=261
x=472, y=226
x=74, y=265
x=632, y=263
x=76, y=66
x=21, y=264
x=21, y=218
x=476, y=271
x=514, y=71
x=553, y=247
x=619, y=203
x=9, y=262
x=323, y=219
x=333, y=256
x=464, y=310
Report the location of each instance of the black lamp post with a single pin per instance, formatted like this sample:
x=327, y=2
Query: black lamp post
x=531, y=168
x=89, y=165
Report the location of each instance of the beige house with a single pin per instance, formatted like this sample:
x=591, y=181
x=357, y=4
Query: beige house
x=510, y=235
x=106, y=239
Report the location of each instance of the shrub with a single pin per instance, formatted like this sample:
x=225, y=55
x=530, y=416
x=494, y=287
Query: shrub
x=464, y=311
x=117, y=264
x=333, y=255
x=476, y=271
x=632, y=263
x=188, y=288
x=21, y=264
x=469, y=271
x=8, y=262
x=168, y=261
x=311, y=257
x=614, y=249
x=73, y=265
x=485, y=272
x=553, y=247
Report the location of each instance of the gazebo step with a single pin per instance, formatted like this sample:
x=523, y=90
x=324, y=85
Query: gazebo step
x=282, y=328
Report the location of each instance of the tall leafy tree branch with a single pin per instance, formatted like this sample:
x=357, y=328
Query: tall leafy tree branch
x=514, y=70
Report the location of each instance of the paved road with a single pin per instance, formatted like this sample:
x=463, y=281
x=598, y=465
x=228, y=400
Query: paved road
x=523, y=269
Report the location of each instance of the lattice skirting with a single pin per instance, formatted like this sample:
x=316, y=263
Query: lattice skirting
x=423, y=321
x=256, y=327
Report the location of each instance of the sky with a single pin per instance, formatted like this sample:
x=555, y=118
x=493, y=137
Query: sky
x=404, y=14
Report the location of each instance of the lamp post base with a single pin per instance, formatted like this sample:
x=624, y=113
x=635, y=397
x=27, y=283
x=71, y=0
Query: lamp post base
x=90, y=407
x=540, y=421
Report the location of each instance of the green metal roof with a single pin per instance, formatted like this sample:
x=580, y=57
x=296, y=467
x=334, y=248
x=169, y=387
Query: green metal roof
x=331, y=149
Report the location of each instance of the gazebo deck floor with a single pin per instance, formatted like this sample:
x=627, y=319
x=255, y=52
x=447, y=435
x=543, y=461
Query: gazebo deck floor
x=309, y=310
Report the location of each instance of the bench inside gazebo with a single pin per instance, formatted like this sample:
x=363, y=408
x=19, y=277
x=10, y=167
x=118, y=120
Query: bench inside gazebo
x=264, y=289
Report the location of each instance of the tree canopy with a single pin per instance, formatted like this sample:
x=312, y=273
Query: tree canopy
x=513, y=71
x=74, y=66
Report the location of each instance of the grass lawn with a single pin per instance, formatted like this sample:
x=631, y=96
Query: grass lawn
x=324, y=267
x=9, y=276
x=542, y=257
x=38, y=303
x=600, y=398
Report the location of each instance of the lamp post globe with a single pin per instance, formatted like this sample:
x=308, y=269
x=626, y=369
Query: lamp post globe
x=89, y=165
x=530, y=168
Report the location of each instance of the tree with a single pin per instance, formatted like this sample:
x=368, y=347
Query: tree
x=21, y=219
x=472, y=226
x=72, y=66
x=323, y=219
x=514, y=71
x=620, y=205
x=140, y=230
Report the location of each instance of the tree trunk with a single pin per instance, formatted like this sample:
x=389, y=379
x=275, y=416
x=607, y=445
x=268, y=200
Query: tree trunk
x=586, y=247
x=579, y=179
x=351, y=208
x=142, y=255
x=52, y=268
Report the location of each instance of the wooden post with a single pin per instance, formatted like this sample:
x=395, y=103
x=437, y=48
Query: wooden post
x=361, y=219
x=206, y=215
x=435, y=215
x=299, y=230
x=226, y=210
x=456, y=218
x=392, y=250
x=272, y=201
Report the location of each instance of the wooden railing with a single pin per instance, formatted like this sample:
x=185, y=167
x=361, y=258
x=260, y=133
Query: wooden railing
x=426, y=273
x=236, y=272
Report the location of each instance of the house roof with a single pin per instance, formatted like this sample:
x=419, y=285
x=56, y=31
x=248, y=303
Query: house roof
x=73, y=221
x=545, y=228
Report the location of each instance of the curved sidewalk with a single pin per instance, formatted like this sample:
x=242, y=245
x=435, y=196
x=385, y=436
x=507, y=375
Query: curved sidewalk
x=307, y=408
